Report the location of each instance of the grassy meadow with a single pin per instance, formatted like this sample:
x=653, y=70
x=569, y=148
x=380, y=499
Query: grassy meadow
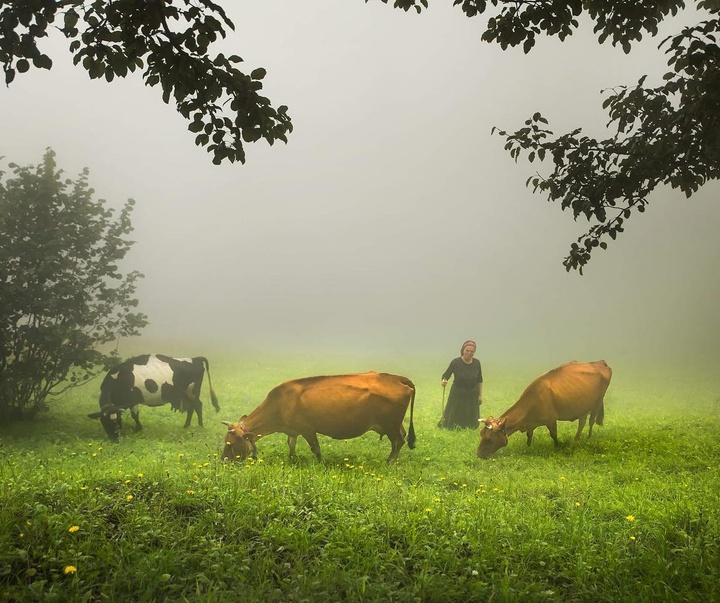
x=630, y=515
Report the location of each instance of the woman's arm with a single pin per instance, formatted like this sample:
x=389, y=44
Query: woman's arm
x=446, y=375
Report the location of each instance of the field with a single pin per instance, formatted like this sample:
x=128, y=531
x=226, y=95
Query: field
x=629, y=515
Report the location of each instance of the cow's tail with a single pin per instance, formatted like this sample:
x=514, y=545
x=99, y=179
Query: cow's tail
x=213, y=397
x=411, y=428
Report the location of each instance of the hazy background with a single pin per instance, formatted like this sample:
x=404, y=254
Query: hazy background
x=392, y=222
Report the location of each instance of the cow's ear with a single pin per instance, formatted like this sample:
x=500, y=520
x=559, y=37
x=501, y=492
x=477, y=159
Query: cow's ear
x=501, y=422
x=95, y=415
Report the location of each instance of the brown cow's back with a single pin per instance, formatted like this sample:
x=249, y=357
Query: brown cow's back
x=572, y=391
x=563, y=394
x=338, y=406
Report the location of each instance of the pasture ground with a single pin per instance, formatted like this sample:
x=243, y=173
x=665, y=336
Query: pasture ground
x=630, y=515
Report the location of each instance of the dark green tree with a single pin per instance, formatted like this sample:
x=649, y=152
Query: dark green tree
x=660, y=135
x=63, y=298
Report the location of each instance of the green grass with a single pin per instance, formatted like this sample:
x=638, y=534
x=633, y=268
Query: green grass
x=630, y=515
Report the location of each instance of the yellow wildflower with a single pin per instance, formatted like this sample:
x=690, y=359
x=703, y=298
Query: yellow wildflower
x=129, y=497
x=630, y=518
x=70, y=569
x=72, y=529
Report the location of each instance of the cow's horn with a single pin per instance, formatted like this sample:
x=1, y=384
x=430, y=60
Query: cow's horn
x=228, y=423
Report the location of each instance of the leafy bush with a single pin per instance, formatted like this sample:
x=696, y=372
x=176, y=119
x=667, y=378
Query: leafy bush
x=62, y=295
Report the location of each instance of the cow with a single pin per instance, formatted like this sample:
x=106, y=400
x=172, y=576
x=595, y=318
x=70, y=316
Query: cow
x=339, y=406
x=153, y=380
x=570, y=392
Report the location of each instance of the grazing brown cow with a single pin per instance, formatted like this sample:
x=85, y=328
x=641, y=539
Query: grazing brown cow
x=569, y=392
x=339, y=406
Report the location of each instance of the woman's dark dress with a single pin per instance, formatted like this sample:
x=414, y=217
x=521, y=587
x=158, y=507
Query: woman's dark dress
x=462, y=408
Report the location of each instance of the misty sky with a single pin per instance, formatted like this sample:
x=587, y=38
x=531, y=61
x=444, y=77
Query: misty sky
x=393, y=220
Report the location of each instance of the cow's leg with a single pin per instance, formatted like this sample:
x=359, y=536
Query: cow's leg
x=292, y=440
x=198, y=411
x=552, y=428
x=188, y=418
x=311, y=439
x=396, y=434
x=397, y=444
x=135, y=414
x=593, y=416
x=581, y=424
x=530, y=436
x=191, y=405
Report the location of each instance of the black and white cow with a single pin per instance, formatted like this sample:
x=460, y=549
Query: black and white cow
x=153, y=380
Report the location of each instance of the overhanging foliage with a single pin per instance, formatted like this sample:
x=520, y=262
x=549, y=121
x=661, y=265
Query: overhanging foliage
x=169, y=43
x=662, y=135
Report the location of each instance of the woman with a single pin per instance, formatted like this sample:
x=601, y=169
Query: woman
x=463, y=405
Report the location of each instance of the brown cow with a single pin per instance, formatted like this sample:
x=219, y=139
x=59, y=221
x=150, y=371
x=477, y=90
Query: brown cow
x=569, y=392
x=339, y=406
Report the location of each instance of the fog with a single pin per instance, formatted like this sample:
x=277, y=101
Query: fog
x=393, y=222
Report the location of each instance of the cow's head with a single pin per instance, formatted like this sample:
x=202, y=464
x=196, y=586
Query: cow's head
x=111, y=418
x=492, y=437
x=239, y=444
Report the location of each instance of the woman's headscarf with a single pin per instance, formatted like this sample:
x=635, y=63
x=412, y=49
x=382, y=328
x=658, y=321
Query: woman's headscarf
x=466, y=344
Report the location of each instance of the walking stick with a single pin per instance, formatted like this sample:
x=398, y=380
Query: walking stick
x=442, y=408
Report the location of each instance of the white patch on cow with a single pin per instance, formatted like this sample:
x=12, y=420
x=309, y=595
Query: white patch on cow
x=159, y=372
